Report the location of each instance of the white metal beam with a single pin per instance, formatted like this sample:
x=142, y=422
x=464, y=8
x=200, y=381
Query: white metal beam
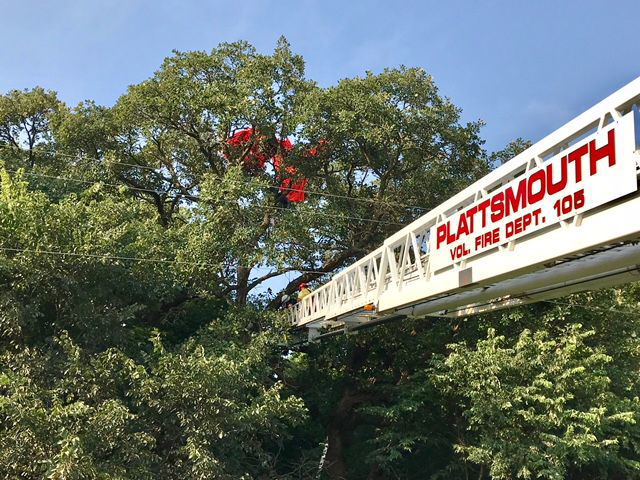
x=538, y=263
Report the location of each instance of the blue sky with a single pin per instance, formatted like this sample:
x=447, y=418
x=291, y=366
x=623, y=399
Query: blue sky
x=524, y=67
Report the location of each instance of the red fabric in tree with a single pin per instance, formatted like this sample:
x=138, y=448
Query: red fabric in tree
x=258, y=155
x=294, y=188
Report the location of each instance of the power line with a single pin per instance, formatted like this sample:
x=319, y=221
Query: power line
x=298, y=190
x=330, y=215
x=249, y=181
x=137, y=259
x=106, y=257
x=160, y=192
x=92, y=182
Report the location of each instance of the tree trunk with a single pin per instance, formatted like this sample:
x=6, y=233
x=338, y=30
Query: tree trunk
x=243, y=285
x=376, y=473
x=337, y=433
x=344, y=419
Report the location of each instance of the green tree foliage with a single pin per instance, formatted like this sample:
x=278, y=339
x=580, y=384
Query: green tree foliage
x=512, y=149
x=539, y=406
x=166, y=140
x=529, y=393
x=25, y=124
x=135, y=343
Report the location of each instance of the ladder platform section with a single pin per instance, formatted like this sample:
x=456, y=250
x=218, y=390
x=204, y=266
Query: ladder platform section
x=562, y=216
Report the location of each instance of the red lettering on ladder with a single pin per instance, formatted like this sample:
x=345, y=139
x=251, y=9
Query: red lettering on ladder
x=609, y=150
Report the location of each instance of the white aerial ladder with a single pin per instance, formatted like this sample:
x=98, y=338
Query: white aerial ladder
x=561, y=217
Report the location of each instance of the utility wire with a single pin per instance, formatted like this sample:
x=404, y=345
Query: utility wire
x=249, y=181
x=106, y=257
x=160, y=192
x=206, y=264
x=134, y=259
x=298, y=190
x=92, y=182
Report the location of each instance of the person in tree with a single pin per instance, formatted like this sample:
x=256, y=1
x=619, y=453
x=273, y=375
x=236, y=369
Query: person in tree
x=293, y=190
x=282, y=201
x=282, y=197
x=292, y=185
